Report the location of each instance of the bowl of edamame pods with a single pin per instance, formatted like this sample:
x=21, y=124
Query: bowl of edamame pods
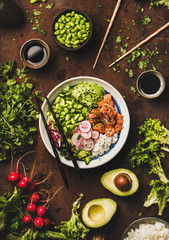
x=72, y=29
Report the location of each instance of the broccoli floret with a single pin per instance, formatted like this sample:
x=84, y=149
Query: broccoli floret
x=159, y=195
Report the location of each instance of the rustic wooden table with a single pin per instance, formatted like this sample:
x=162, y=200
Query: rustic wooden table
x=66, y=64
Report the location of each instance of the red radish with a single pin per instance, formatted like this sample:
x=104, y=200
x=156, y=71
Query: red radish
x=27, y=219
x=21, y=176
x=13, y=177
x=86, y=135
x=31, y=187
x=27, y=179
x=47, y=222
x=31, y=207
x=95, y=134
x=85, y=126
x=41, y=211
x=34, y=198
x=75, y=138
x=38, y=222
x=22, y=184
x=78, y=145
x=87, y=144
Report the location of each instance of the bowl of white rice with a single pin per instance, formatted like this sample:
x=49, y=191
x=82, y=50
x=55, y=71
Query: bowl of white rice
x=148, y=228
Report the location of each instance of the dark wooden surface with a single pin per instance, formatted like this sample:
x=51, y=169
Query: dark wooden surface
x=65, y=64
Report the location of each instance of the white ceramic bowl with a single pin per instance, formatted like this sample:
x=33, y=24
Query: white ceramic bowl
x=146, y=220
x=121, y=107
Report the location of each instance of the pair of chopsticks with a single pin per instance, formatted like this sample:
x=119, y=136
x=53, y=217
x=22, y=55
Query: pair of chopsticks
x=53, y=143
x=131, y=50
x=141, y=43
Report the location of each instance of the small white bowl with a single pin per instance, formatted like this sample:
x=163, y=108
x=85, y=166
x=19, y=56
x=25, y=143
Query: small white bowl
x=121, y=107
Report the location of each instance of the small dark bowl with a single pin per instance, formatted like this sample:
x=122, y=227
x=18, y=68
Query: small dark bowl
x=32, y=42
x=158, y=92
x=69, y=11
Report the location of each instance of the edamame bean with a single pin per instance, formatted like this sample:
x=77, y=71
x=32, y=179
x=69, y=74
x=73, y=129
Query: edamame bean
x=76, y=116
x=65, y=110
x=81, y=118
x=67, y=117
x=65, y=129
x=73, y=121
x=79, y=106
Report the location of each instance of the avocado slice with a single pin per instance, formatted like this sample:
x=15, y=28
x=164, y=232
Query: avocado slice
x=98, y=212
x=88, y=93
x=121, y=182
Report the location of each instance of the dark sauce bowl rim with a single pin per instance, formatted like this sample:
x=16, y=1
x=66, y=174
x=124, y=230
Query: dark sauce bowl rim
x=160, y=90
x=77, y=11
x=29, y=42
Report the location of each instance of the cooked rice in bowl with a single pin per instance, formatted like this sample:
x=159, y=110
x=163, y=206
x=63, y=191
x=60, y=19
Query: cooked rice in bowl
x=147, y=229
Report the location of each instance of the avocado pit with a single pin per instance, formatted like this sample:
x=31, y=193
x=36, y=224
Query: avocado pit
x=123, y=182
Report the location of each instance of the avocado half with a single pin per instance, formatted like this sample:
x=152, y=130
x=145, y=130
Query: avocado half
x=98, y=212
x=109, y=181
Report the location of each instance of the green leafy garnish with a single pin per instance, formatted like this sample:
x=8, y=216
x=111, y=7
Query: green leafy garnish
x=18, y=114
x=159, y=195
x=149, y=152
x=146, y=20
x=160, y=2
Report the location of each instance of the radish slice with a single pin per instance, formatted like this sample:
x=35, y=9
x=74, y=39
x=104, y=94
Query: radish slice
x=95, y=134
x=86, y=135
x=78, y=145
x=87, y=144
x=85, y=126
x=75, y=138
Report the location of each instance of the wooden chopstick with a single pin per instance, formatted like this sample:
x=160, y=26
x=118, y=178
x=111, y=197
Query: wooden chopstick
x=107, y=31
x=141, y=43
x=52, y=144
x=62, y=134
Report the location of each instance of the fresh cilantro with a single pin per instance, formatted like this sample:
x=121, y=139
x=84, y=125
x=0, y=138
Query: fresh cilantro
x=160, y=2
x=146, y=20
x=18, y=114
x=118, y=40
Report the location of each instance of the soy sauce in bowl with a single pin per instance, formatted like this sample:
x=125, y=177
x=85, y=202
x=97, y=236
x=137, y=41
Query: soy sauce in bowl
x=35, y=53
x=150, y=84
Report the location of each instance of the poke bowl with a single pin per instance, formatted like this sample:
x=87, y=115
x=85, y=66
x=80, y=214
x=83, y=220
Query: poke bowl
x=81, y=137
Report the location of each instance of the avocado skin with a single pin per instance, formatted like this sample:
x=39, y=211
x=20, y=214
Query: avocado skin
x=10, y=14
x=107, y=181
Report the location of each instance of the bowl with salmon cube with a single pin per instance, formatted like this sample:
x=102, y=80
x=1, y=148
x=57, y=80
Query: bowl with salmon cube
x=94, y=118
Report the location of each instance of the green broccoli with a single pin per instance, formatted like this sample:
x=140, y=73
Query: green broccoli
x=159, y=195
